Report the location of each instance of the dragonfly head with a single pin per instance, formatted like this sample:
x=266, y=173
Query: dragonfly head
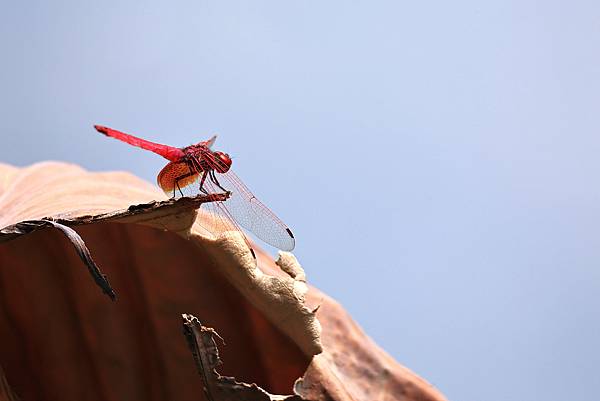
x=223, y=162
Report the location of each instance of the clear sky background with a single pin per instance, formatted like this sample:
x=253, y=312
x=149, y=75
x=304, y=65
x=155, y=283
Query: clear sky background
x=438, y=161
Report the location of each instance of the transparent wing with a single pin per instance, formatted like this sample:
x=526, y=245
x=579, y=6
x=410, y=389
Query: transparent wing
x=211, y=141
x=250, y=213
x=177, y=180
x=242, y=208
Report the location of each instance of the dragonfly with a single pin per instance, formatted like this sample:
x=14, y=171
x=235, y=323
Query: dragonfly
x=198, y=170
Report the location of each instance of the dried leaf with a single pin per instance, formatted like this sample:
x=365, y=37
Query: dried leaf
x=150, y=210
x=61, y=340
x=29, y=226
x=6, y=393
x=201, y=341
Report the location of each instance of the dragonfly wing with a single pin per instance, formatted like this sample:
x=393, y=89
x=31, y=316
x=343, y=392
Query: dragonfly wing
x=176, y=179
x=241, y=208
x=211, y=141
x=208, y=143
x=213, y=217
x=251, y=214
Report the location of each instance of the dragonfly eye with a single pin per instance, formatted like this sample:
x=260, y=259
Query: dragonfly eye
x=223, y=162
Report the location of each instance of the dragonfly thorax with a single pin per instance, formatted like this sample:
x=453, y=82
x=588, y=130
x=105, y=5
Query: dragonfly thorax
x=207, y=159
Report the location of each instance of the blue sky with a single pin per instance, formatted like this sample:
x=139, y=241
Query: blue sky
x=437, y=161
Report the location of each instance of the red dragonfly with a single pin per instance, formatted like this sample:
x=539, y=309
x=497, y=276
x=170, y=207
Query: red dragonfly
x=195, y=170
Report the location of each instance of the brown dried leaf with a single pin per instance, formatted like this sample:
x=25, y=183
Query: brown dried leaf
x=29, y=226
x=6, y=393
x=61, y=340
x=151, y=211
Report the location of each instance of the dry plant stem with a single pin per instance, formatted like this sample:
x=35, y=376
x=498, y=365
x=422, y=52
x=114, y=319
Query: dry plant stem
x=6, y=393
x=202, y=343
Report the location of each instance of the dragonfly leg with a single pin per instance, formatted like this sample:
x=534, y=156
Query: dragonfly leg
x=195, y=164
x=202, y=183
x=213, y=178
x=181, y=177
